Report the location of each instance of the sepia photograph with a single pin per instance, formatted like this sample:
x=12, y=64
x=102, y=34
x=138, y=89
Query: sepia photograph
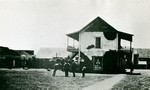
x=74, y=45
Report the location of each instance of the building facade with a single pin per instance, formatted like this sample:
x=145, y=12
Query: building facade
x=95, y=40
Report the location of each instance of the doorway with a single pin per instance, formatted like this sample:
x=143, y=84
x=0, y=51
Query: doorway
x=97, y=63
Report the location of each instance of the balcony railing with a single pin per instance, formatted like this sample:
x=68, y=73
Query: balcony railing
x=72, y=49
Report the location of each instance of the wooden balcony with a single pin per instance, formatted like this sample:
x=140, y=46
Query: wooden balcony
x=72, y=49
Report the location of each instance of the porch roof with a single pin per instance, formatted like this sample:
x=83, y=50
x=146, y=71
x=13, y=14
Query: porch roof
x=126, y=36
x=74, y=35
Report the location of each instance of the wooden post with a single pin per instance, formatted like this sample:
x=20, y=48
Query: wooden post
x=118, y=42
x=56, y=54
x=67, y=41
x=13, y=63
x=73, y=43
x=130, y=46
x=79, y=48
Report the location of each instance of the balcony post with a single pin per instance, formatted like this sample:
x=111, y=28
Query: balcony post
x=67, y=41
x=73, y=43
x=130, y=46
x=79, y=48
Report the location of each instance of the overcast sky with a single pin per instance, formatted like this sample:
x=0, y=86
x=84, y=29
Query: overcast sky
x=31, y=24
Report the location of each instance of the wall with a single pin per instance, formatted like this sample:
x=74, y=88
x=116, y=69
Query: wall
x=88, y=38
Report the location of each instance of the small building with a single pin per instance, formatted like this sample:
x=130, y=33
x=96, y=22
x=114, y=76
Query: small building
x=27, y=57
x=143, y=57
x=46, y=57
x=99, y=47
x=49, y=53
x=9, y=58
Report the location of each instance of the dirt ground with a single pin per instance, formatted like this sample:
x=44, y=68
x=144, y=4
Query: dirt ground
x=106, y=84
x=139, y=80
x=41, y=79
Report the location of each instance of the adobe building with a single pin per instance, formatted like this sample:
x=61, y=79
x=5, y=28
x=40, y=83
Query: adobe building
x=10, y=58
x=100, y=47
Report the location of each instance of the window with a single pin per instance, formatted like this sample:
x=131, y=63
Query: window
x=98, y=42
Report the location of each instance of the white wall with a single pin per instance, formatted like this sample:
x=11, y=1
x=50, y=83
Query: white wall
x=88, y=38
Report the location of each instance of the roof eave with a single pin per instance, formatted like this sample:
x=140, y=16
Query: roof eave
x=74, y=35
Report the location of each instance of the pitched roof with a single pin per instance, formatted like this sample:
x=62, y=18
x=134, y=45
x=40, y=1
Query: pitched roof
x=97, y=20
x=51, y=52
x=31, y=52
x=24, y=54
x=6, y=51
x=98, y=24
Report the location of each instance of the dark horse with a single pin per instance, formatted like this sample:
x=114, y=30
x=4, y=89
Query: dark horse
x=58, y=66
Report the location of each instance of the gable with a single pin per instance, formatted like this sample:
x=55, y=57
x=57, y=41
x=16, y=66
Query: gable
x=99, y=25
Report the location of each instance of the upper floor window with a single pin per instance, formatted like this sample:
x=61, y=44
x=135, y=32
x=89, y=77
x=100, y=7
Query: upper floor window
x=98, y=42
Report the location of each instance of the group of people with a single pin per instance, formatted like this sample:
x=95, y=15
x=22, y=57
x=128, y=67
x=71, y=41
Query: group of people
x=66, y=67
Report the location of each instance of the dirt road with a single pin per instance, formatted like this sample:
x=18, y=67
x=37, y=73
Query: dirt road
x=106, y=84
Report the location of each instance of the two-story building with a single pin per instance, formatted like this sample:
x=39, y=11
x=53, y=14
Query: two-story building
x=100, y=47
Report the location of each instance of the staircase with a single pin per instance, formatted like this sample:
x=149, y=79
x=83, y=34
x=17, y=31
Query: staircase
x=87, y=62
x=73, y=55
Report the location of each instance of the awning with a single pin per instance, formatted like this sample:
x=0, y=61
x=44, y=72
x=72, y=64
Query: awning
x=125, y=36
x=74, y=35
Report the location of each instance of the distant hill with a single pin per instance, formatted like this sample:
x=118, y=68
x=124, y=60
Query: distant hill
x=52, y=52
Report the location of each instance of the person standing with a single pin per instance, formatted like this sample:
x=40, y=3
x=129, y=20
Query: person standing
x=83, y=71
x=131, y=68
x=66, y=68
x=73, y=68
x=56, y=66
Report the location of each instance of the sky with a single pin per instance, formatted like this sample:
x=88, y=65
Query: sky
x=32, y=24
